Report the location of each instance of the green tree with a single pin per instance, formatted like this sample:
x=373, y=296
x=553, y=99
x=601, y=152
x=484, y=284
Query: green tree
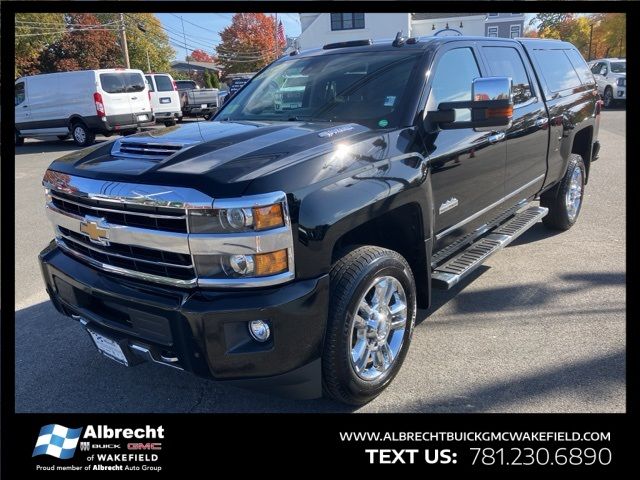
x=207, y=79
x=215, y=81
x=34, y=33
x=153, y=40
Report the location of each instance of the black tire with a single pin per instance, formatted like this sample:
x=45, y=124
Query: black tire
x=170, y=123
x=130, y=131
x=559, y=216
x=607, y=98
x=82, y=136
x=19, y=141
x=351, y=278
x=63, y=137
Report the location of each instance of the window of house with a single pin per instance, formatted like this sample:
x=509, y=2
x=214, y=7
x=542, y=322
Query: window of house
x=514, y=31
x=507, y=62
x=492, y=31
x=453, y=79
x=347, y=21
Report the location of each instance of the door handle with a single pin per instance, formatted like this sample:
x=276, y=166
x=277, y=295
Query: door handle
x=496, y=137
x=134, y=98
x=541, y=122
x=25, y=106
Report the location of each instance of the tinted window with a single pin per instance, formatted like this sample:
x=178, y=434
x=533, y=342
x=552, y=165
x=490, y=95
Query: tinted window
x=580, y=67
x=150, y=82
x=557, y=70
x=506, y=62
x=618, y=67
x=348, y=87
x=124, y=82
x=19, y=93
x=596, y=68
x=452, y=80
x=186, y=84
x=164, y=83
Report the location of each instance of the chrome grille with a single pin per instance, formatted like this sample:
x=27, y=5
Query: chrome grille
x=133, y=215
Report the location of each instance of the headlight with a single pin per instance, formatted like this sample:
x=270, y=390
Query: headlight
x=622, y=82
x=244, y=241
x=236, y=219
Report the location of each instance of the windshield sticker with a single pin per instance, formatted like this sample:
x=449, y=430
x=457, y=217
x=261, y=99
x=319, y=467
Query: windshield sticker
x=389, y=101
x=383, y=123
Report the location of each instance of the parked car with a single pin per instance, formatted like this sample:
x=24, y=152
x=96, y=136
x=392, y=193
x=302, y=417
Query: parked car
x=196, y=101
x=165, y=99
x=611, y=79
x=81, y=104
x=291, y=93
x=288, y=250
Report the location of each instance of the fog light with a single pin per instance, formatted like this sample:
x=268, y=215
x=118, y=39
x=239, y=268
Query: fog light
x=259, y=330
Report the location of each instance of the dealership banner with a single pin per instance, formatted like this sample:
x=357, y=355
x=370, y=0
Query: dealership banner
x=160, y=445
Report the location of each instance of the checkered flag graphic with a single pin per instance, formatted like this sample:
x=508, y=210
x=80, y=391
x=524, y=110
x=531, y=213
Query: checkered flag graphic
x=57, y=441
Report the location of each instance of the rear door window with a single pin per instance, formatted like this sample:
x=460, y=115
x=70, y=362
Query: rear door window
x=164, y=83
x=580, y=67
x=557, y=70
x=506, y=62
x=150, y=82
x=125, y=82
x=19, y=93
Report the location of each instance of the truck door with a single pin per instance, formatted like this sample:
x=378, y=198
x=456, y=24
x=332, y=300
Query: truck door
x=23, y=112
x=467, y=166
x=528, y=136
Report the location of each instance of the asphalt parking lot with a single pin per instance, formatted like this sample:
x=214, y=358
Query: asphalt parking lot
x=539, y=328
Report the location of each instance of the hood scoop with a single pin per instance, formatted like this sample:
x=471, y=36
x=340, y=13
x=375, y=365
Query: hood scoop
x=129, y=148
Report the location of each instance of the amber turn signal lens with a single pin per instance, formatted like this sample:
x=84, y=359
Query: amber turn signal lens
x=500, y=112
x=271, y=263
x=268, y=217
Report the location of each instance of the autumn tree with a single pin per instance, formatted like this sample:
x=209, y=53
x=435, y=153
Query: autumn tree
x=200, y=56
x=145, y=35
x=249, y=43
x=34, y=33
x=86, y=45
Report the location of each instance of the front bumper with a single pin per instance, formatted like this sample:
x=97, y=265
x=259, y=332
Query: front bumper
x=201, y=331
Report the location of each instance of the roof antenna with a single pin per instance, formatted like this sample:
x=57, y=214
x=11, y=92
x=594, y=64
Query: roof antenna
x=399, y=41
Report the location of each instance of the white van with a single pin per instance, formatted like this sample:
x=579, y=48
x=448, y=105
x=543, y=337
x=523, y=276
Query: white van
x=165, y=99
x=81, y=104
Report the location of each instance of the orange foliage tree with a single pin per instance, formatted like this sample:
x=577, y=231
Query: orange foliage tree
x=249, y=43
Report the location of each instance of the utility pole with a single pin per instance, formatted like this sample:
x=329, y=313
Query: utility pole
x=123, y=41
x=186, y=52
x=590, y=40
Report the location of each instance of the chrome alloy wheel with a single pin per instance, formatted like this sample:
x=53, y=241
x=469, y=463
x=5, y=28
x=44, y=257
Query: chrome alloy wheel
x=378, y=327
x=79, y=134
x=573, y=197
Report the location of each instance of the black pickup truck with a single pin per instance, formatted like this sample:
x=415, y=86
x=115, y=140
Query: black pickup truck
x=288, y=249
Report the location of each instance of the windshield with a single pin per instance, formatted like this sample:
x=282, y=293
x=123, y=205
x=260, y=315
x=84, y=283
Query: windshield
x=619, y=67
x=361, y=88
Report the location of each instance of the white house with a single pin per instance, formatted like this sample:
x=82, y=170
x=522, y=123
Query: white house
x=318, y=29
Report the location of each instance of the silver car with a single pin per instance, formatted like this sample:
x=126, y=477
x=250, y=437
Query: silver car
x=611, y=78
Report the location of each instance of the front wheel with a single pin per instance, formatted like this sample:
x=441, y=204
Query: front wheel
x=565, y=201
x=608, y=99
x=371, y=319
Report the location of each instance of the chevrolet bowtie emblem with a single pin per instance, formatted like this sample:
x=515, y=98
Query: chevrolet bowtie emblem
x=96, y=233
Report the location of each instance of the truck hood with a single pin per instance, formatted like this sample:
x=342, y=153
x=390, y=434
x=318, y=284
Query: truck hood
x=218, y=158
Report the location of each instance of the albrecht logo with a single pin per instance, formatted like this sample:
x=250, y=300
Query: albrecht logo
x=57, y=441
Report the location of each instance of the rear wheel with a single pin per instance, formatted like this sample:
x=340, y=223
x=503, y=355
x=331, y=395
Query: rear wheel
x=565, y=201
x=371, y=318
x=82, y=136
